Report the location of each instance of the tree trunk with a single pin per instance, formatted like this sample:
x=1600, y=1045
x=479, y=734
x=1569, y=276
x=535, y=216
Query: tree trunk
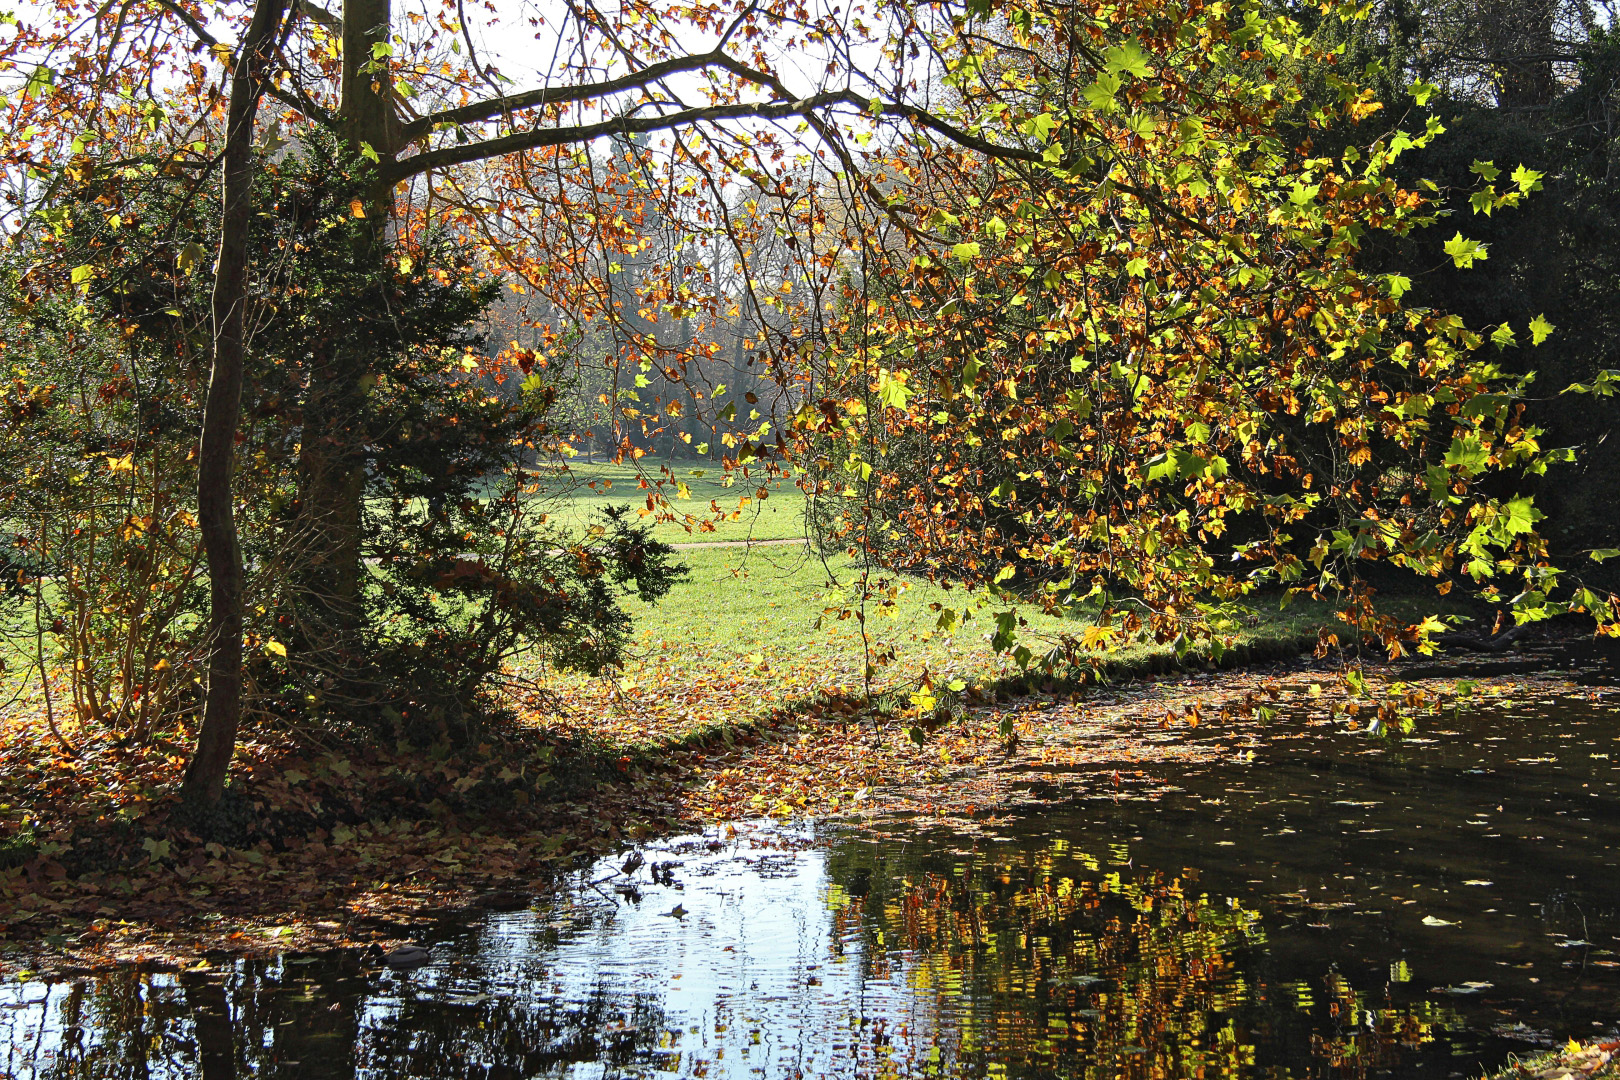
x=211, y=1026
x=222, y=709
x=1519, y=41
x=331, y=467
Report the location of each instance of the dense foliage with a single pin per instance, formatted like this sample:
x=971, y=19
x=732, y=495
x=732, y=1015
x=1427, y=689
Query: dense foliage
x=1150, y=365
x=104, y=403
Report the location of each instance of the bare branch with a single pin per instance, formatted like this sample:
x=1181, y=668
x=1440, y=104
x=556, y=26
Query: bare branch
x=315, y=13
x=554, y=95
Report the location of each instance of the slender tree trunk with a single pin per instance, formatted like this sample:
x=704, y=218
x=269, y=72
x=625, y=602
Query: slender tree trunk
x=216, y=742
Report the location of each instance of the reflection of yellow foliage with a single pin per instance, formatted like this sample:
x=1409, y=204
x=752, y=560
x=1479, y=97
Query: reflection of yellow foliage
x=1016, y=959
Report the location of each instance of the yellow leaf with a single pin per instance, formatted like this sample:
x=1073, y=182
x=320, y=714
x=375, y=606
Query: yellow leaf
x=122, y=464
x=275, y=647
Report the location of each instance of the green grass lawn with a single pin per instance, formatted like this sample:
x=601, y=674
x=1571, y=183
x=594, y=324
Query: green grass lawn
x=702, y=495
x=751, y=629
x=776, y=609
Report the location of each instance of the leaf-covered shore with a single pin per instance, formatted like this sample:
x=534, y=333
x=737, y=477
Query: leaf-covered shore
x=332, y=845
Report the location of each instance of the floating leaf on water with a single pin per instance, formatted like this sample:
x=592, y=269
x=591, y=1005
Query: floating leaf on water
x=1430, y=920
x=1478, y=881
x=1464, y=988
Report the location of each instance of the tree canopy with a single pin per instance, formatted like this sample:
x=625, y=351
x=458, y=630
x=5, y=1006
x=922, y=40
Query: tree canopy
x=1073, y=299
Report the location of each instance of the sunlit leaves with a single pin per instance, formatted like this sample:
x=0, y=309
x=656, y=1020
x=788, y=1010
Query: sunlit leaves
x=1464, y=253
x=190, y=256
x=1138, y=347
x=1129, y=58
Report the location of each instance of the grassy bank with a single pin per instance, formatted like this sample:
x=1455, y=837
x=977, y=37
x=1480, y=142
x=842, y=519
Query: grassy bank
x=752, y=631
x=709, y=504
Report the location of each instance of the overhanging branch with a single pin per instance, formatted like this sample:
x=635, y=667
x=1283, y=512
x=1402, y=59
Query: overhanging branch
x=556, y=95
x=538, y=138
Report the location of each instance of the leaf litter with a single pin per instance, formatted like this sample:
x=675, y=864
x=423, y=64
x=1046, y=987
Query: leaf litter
x=358, y=844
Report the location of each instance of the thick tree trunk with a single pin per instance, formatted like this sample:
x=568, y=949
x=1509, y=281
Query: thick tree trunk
x=331, y=484
x=211, y=1026
x=1518, y=37
x=331, y=465
x=222, y=709
x=365, y=109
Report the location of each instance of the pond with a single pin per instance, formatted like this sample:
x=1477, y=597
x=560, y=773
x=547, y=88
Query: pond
x=1321, y=904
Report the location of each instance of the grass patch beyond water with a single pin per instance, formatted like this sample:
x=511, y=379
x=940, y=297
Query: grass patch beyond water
x=710, y=504
x=754, y=629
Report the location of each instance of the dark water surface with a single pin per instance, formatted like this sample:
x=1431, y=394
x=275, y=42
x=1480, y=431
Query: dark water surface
x=1338, y=906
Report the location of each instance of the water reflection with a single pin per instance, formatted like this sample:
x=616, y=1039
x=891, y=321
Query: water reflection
x=1383, y=909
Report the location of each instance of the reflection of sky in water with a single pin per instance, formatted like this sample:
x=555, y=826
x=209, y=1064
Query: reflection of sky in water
x=1389, y=909
x=750, y=979
x=745, y=979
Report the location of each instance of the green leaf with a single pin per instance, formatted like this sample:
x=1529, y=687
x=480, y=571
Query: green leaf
x=1540, y=329
x=1603, y=385
x=40, y=81
x=1100, y=94
x=1486, y=404
x=1600, y=554
x=1040, y=125
x=1467, y=454
x=1503, y=336
x=1487, y=169
x=1528, y=179
x=1128, y=58
x=1357, y=682
x=1521, y=515
x=1464, y=253
x=893, y=392
x=369, y=154
x=1422, y=92
x=966, y=251
x=1006, y=631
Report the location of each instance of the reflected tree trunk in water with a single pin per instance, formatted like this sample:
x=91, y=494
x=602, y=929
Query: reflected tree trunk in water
x=211, y=1021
